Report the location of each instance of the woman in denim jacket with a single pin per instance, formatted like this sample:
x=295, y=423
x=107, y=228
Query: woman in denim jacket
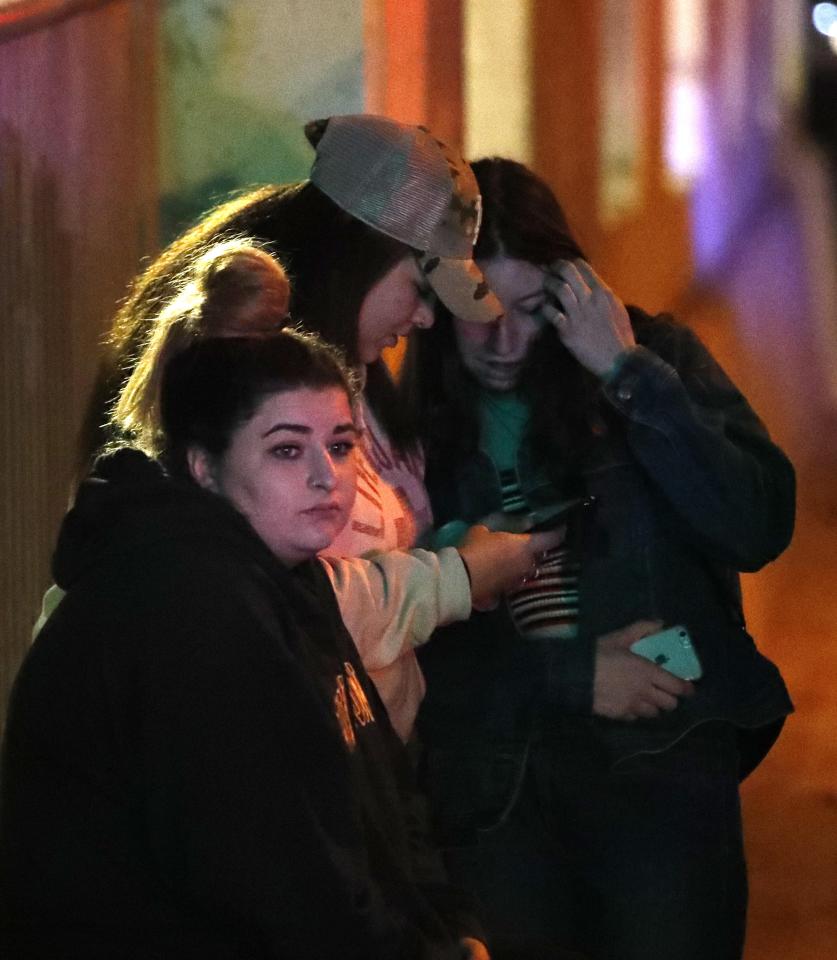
x=589, y=796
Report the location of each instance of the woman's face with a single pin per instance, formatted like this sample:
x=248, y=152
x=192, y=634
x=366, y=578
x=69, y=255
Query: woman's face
x=399, y=301
x=494, y=353
x=290, y=470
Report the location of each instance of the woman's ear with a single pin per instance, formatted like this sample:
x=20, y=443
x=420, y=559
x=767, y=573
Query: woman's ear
x=201, y=468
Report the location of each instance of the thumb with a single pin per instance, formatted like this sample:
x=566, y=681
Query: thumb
x=547, y=539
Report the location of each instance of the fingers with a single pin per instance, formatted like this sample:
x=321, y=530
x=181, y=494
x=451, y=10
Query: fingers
x=646, y=710
x=549, y=311
x=541, y=542
x=572, y=282
x=531, y=575
x=562, y=300
x=569, y=299
x=659, y=691
x=650, y=704
x=589, y=275
x=662, y=700
x=579, y=289
x=653, y=701
x=629, y=687
x=669, y=684
x=498, y=562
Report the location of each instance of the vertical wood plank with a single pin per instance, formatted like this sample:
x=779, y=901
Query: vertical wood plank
x=77, y=213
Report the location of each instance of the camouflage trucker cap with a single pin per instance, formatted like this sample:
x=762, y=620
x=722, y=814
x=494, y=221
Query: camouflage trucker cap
x=401, y=180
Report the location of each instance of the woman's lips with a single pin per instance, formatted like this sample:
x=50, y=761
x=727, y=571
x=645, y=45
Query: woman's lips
x=503, y=372
x=504, y=366
x=324, y=511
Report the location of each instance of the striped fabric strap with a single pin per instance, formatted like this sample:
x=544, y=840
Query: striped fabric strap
x=546, y=606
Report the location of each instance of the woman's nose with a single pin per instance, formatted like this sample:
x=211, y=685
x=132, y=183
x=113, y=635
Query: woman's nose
x=423, y=316
x=505, y=340
x=323, y=475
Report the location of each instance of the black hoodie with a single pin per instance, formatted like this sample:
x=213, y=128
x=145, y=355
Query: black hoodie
x=195, y=763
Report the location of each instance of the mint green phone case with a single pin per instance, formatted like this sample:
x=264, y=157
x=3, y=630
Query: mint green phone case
x=672, y=650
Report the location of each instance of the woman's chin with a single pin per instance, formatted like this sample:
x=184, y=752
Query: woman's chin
x=308, y=546
x=500, y=384
x=326, y=534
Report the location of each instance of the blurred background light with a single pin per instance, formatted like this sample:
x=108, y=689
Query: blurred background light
x=622, y=111
x=824, y=16
x=684, y=119
x=685, y=145
x=498, y=78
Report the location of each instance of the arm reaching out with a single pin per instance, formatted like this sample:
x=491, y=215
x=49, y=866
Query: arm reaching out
x=394, y=600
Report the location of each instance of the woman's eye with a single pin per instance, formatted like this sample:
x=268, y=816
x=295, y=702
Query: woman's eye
x=426, y=294
x=533, y=307
x=285, y=451
x=342, y=448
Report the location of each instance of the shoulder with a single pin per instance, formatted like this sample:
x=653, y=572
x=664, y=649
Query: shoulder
x=679, y=346
x=198, y=596
x=663, y=333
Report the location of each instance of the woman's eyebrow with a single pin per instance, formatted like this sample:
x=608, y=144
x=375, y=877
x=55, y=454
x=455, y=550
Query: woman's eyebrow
x=292, y=427
x=346, y=428
x=305, y=430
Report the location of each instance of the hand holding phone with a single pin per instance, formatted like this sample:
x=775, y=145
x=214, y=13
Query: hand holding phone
x=672, y=650
x=629, y=687
x=499, y=561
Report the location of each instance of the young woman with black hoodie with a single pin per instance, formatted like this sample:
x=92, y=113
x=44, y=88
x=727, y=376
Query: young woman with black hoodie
x=195, y=762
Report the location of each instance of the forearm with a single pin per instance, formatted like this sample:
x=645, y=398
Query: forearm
x=393, y=601
x=712, y=460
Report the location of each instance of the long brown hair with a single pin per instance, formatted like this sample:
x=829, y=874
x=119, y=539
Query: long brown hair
x=332, y=261
x=523, y=219
x=234, y=289
x=215, y=384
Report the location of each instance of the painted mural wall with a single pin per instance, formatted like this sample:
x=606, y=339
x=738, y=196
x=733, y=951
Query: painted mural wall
x=239, y=78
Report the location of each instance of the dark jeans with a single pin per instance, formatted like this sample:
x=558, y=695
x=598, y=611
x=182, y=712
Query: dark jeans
x=644, y=862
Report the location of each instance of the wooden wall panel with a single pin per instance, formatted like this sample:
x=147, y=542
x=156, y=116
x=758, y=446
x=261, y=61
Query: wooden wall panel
x=646, y=255
x=77, y=212
x=413, y=63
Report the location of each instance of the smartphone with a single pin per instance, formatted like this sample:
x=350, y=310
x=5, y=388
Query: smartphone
x=672, y=650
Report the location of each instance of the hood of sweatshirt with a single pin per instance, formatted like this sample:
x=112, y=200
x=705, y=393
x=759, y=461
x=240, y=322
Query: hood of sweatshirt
x=129, y=503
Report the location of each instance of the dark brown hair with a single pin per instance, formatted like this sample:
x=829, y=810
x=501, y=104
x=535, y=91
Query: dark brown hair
x=216, y=384
x=332, y=261
x=235, y=288
x=523, y=219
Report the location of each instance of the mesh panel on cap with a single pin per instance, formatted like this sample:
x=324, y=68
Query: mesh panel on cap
x=403, y=182
x=392, y=178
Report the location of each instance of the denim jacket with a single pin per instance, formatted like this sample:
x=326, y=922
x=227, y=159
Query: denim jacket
x=691, y=492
